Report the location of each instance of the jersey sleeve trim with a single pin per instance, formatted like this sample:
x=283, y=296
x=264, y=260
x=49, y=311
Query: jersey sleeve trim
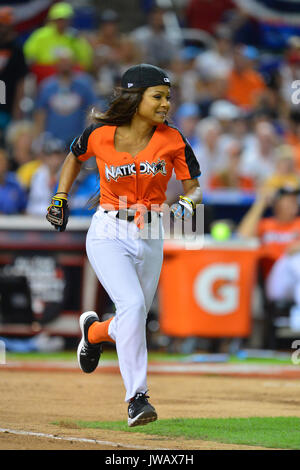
x=80, y=145
x=190, y=158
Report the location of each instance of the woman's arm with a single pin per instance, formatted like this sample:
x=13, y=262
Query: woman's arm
x=58, y=211
x=186, y=205
x=69, y=172
x=192, y=190
x=249, y=223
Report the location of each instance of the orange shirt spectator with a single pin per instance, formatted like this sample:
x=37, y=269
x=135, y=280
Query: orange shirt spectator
x=243, y=89
x=276, y=236
x=244, y=83
x=278, y=233
x=230, y=177
x=223, y=180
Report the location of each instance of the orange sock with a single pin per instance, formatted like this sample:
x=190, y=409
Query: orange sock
x=98, y=332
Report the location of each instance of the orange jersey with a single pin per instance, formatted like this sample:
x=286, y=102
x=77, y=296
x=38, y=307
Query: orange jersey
x=275, y=238
x=244, y=88
x=221, y=180
x=142, y=179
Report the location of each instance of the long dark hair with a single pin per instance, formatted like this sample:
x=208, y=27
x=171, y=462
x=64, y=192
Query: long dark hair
x=121, y=110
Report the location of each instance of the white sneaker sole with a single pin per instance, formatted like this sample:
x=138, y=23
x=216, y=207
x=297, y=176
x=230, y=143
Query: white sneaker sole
x=141, y=420
x=82, y=319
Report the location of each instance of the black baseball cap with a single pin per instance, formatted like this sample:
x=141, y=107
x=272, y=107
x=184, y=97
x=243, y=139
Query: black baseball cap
x=144, y=76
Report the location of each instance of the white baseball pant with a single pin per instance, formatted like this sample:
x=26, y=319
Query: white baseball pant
x=283, y=282
x=128, y=265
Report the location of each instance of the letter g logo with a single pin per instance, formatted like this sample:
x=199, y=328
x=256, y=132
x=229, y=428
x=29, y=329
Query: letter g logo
x=214, y=290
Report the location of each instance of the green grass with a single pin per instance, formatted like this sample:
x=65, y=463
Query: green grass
x=278, y=432
x=71, y=355
x=41, y=356
x=110, y=355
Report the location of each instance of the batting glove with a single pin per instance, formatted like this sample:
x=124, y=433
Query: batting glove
x=58, y=213
x=184, y=208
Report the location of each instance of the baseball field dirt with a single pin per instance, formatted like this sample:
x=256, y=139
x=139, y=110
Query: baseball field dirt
x=39, y=409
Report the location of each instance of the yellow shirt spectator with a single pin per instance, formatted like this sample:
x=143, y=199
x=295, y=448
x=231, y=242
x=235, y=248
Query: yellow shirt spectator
x=285, y=173
x=44, y=45
x=25, y=172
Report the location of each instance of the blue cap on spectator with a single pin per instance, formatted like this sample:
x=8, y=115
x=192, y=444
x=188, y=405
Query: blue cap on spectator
x=54, y=145
x=47, y=144
x=189, y=53
x=187, y=110
x=109, y=16
x=250, y=52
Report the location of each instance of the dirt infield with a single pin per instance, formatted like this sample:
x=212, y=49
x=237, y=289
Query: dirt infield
x=33, y=400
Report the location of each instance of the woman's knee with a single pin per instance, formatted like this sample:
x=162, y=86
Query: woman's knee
x=133, y=307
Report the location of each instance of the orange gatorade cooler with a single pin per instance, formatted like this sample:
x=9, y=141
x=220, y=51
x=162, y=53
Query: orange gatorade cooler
x=207, y=292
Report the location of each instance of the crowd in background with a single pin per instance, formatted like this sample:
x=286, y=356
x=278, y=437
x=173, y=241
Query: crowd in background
x=234, y=96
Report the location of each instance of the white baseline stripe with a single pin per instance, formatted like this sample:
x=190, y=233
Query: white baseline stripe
x=76, y=439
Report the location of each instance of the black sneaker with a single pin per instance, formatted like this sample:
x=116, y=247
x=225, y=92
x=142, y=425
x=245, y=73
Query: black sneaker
x=140, y=411
x=88, y=354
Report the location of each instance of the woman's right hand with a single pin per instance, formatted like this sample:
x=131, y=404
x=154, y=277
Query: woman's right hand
x=58, y=213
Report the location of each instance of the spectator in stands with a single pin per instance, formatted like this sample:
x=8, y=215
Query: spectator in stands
x=156, y=46
x=246, y=29
x=285, y=173
x=209, y=157
x=185, y=77
x=217, y=62
x=25, y=172
x=110, y=49
x=19, y=138
x=106, y=41
x=230, y=177
x=13, y=70
x=241, y=130
x=12, y=196
x=228, y=115
x=63, y=101
x=45, y=178
x=42, y=46
x=186, y=118
x=292, y=133
x=258, y=158
x=280, y=238
x=244, y=84
x=129, y=54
